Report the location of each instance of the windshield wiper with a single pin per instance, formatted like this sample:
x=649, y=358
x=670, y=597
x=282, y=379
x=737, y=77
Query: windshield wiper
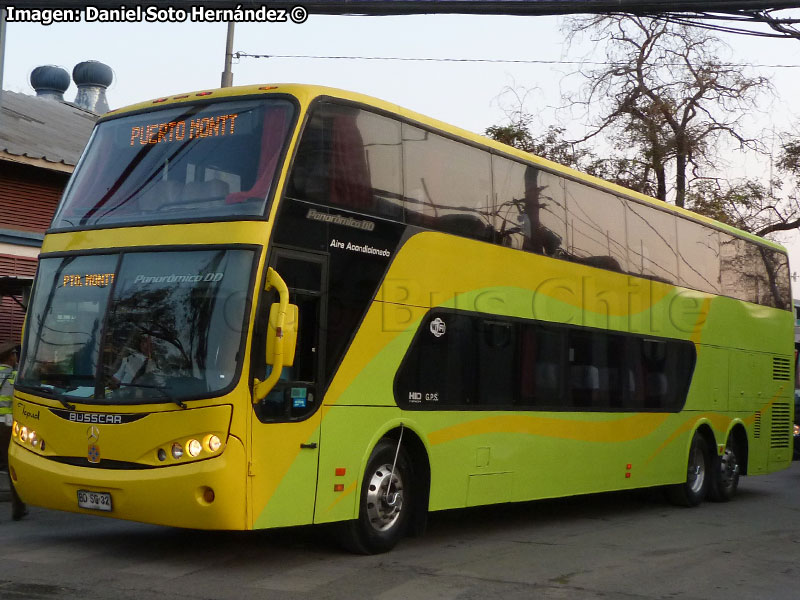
x=49, y=391
x=63, y=400
x=158, y=388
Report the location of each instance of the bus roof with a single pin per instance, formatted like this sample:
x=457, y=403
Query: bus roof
x=306, y=93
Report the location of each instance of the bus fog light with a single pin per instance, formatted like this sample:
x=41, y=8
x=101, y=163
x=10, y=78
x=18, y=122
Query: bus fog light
x=213, y=443
x=208, y=495
x=177, y=451
x=193, y=448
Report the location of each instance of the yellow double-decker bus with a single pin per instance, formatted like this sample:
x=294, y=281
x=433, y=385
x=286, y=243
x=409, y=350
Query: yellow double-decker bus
x=279, y=305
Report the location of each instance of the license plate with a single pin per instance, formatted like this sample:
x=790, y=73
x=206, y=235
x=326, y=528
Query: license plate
x=94, y=500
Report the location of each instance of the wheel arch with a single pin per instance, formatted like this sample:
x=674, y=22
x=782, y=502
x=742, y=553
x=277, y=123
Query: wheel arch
x=704, y=429
x=418, y=452
x=738, y=433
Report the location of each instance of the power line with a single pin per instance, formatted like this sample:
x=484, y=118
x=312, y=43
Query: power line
x=238, y=55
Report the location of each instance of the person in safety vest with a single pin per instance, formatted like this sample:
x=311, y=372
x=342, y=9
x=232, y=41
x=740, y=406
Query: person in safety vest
x=8, y=374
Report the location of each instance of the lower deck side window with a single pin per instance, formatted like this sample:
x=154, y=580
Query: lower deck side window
x=461, y=360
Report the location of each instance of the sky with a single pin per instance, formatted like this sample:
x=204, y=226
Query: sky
x=150, y=60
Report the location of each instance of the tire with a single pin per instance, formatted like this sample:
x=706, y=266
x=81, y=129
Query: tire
x=382, y=519
x=725, y=471
x=695, y=489
x=18, y=508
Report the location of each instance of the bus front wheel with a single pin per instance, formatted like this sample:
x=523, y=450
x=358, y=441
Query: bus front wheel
x=694, y=490
x=385, y=502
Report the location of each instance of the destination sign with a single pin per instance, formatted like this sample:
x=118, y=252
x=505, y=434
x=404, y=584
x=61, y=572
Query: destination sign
x=189, y=129
x=88, y=280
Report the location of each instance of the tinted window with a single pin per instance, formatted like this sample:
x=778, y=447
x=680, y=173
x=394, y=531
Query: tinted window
x=529, y=208
x=65, y=322
x=181, y=163
x=779, y=291
x=596, y=227
x=754, y=273
x=464, y=361
x=496, y=361
x=542, y=361
x=699, y=257
x=595, y=368
x=448, y=184
x=352, y=159
x=441, y=369
x=661, y=372
x=144, y=326
x=652, y=240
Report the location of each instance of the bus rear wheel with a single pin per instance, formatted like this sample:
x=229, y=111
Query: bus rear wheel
x=725, y=471
x=385, y=502
x=695, y=489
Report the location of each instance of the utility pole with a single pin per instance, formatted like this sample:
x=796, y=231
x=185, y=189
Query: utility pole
x=227, y=74
x=2, y=49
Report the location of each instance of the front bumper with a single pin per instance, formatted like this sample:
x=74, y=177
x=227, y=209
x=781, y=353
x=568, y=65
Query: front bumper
x=173, y=495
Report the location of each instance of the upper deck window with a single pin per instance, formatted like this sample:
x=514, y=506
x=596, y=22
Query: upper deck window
x=178, y=164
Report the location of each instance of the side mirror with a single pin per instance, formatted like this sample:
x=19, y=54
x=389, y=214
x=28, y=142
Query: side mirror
x=288, y=332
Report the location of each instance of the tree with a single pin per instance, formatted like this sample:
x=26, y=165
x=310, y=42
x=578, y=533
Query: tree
x=665, y=94
x=664, y=100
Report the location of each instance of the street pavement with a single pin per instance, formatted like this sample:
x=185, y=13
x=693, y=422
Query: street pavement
x=619, y=546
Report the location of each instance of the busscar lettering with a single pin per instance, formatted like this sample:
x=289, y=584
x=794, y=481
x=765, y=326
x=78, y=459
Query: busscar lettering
x=178, y=131
x=98, y=418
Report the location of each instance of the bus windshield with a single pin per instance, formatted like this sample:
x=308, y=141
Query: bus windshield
x=137, y=327
x=198, y=161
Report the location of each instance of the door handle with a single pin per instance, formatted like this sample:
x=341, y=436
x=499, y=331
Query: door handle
x=310, y=446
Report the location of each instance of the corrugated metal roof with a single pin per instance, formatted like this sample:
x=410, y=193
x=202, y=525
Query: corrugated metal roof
x=42, y=128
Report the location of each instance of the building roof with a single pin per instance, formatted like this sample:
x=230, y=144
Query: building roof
x=43, y=132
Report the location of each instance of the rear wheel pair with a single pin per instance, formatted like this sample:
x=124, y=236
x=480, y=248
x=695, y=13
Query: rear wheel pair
x=708, y=474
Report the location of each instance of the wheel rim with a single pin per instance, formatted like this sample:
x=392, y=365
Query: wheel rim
x=696, y=474
x=384, y=506
x=729, y=468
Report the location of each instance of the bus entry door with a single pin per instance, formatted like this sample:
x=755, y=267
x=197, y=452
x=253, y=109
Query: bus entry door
x=285, y=432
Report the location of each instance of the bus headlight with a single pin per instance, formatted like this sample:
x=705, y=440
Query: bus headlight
x=177, y=451
x=16, y=429
x=23, y=434
x=193, y=448
x=213, y=443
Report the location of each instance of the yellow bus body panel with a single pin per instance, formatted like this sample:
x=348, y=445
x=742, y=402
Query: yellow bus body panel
x=263, y=478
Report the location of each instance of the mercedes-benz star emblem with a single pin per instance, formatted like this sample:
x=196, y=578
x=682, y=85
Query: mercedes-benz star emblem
x=93, y=434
